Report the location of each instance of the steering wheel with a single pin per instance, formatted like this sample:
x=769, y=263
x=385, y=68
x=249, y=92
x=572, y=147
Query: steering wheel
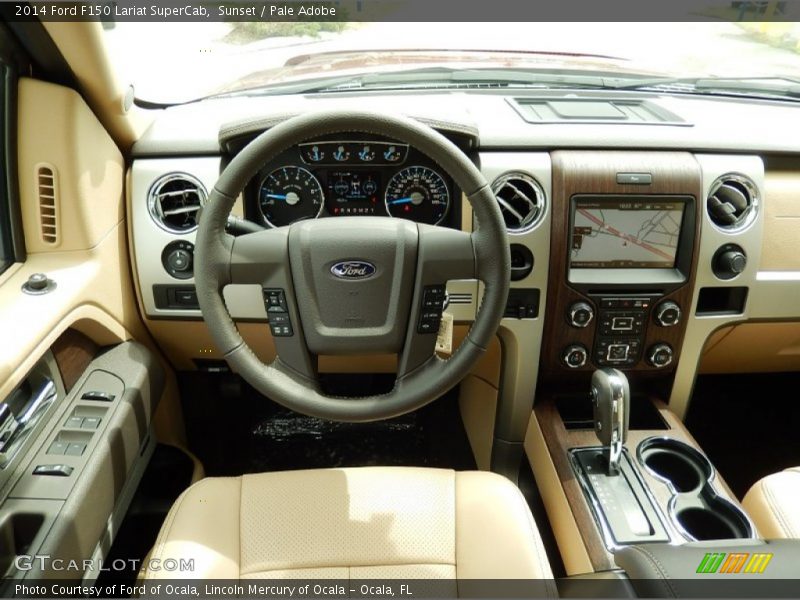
x=352, y=285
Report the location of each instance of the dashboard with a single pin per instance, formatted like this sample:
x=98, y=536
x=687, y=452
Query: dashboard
x=351, y=176
x=633, y=245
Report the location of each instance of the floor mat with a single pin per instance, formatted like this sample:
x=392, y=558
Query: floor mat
x=235, y=430
x=748, y=425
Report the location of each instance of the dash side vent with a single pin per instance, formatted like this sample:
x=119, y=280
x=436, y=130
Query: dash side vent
x=459, y=298
x=47, y=192
x=732, y=202
x=175, y=200
x=521, y=200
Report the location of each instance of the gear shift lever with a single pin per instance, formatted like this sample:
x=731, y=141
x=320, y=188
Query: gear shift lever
x=611, y=397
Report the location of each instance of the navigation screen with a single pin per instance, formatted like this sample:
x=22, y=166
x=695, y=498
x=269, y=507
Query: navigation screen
x=624, y=234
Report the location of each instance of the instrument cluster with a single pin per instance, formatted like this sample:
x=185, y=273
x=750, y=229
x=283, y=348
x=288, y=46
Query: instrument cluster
x=351, y=177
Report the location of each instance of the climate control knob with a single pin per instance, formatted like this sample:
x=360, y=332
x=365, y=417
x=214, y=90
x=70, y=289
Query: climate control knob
x=575, y=356
x=660, y=355
x=667, y=314
x=580, y=314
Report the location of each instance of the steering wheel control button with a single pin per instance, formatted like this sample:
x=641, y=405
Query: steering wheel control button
x=580, y=314
x=575, y=356
x=430, y=314
x=660, y=355
x=274, y=300
x=280, y=323
x=178, y=258
x=667, y=314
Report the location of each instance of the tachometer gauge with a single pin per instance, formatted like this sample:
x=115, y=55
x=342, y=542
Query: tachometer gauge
x=289, y=194
x=419, y=194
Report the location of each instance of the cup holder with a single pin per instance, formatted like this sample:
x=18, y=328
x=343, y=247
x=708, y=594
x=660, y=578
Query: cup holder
x=722, y=521
x=698, y=512
x=678, y=464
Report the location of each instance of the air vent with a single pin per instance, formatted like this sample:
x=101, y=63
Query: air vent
x=459, y=298
x=732, y=202
x=175, y=200
x=47, y=190
x=521, y=201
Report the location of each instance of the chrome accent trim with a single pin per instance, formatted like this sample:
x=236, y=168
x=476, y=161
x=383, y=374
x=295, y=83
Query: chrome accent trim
x=353, y=269
x=537, y=205
x=594, y=503
x=447, y=208
x=674, y=494
x=749, y=215
x=154, y=200
x=618, y=433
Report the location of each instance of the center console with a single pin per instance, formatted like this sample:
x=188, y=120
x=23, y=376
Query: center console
x=623, y=245
x=624, y=256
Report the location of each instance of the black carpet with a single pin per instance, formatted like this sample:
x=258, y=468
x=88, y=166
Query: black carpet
x=235, y=430
x=748, y=425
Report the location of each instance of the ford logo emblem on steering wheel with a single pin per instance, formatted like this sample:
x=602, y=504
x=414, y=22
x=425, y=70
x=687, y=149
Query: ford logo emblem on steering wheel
x=353, y=269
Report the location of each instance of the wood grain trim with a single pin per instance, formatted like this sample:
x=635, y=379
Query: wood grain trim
x=559, y=441
x=581, y=172
x=73, y=352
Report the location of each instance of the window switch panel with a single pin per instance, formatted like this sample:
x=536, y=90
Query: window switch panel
x=57, y=447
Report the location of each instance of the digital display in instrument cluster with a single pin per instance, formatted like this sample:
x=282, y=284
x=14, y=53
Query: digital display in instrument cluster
x=353, y=193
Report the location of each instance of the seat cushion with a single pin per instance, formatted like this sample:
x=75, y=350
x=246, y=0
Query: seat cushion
x=772, y=504
x=371, y=522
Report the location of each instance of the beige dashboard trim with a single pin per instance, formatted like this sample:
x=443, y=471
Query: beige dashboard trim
x=781, y=221
x=731, y=349
x=83, y=46
x=57, y=130
x=477, y=402
x=565, y=528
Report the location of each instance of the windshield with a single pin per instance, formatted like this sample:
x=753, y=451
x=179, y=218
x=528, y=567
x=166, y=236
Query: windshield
x=179, y=62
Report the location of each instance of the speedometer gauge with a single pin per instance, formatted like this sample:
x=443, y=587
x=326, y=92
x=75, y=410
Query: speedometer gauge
x=419, y=194
x=289, y=194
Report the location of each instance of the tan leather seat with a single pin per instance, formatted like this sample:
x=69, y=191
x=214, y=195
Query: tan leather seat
x=772, y=504
x=372, y=522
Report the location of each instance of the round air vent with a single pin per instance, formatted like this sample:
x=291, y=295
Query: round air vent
x=175, y=200
x=521, y=201
x=732, y=202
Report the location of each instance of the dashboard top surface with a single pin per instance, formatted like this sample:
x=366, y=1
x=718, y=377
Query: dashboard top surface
x=707, y=123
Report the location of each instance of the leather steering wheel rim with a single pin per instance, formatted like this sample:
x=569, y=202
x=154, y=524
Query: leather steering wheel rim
x=221, y=259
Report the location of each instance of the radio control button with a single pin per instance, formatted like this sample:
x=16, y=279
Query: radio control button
x=660, y=355
x=580, y=314
x=575, y=356
x=667, y=314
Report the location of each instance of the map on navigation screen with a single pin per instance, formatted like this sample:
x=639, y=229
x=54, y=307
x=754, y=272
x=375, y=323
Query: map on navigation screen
x=625, y=234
